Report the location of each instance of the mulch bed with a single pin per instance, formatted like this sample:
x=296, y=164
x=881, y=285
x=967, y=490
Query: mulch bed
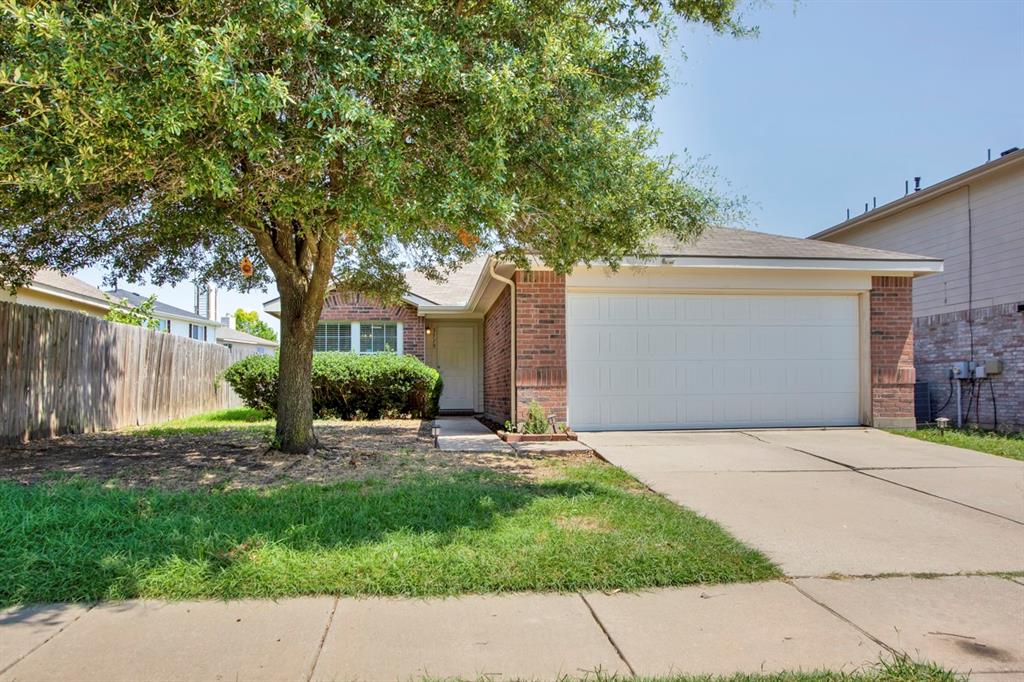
x=348, y=451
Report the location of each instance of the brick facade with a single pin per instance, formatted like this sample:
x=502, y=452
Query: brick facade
x=998, y=331
x=892, y=352
x=498, y=358
x=359, y=308
x=540, y=342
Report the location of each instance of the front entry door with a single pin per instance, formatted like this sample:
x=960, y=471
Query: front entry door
x=456, y=361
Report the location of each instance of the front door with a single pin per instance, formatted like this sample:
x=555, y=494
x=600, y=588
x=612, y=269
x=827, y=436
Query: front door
x=456, y=361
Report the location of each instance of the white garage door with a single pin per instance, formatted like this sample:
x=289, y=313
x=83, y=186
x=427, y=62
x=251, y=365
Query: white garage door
x=715, y=361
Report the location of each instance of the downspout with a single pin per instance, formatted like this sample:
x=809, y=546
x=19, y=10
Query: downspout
x=512, y=337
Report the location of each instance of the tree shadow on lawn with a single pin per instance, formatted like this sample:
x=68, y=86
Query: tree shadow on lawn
x=79, y=541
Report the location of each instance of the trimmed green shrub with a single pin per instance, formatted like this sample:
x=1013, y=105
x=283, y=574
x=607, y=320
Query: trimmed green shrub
x=346, y=385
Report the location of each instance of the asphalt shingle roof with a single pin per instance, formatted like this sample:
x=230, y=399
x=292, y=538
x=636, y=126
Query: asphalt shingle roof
x=57, y=280
x=728, y=242
x=135, y=299
x=456, y=291
x=230, y=335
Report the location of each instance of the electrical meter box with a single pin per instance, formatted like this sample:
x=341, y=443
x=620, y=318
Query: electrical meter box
x=961, y=370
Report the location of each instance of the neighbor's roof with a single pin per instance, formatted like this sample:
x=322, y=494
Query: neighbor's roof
x=729, y=242
x=56, y=280
x=455, y=291
x=135, y=299
x=956, y=182
x=235, y=336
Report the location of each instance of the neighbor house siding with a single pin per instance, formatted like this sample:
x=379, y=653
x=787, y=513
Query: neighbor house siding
x=939, y=228
x=969, y=311
x=892, y=352
x=498, y=358
x=360, y=308
x=42, y=299
x=540, y=342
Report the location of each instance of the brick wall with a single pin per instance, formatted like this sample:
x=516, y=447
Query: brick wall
x=359, y=308
x=892, y=352
x=498, y=358
x=940, y=340
x=540, y=342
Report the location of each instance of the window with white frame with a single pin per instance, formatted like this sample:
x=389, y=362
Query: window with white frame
x=333, y=336
x=197, y=332
x=378, y=337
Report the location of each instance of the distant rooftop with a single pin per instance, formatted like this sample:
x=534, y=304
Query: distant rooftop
x=230, y=335
x=135, y=299
x=57, y=280
x=1008, y=158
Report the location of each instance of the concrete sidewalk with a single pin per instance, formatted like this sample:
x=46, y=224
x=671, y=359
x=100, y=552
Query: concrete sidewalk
x=973, y=624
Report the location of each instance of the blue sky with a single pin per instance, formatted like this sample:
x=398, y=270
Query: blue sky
x=838, y=102
x=832, y=104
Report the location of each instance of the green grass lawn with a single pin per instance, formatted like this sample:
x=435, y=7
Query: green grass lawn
x=238, y=418
x=896, y=668
x=1002, y=444
x=569, y=527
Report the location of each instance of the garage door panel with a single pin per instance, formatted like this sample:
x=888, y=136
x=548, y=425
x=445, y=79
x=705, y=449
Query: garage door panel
x=686, y=361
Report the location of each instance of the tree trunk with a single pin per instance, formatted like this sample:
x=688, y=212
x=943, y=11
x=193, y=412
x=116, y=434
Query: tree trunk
x=295, y=386
x=302, y=263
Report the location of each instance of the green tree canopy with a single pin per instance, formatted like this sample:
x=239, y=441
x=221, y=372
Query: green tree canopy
x=140, y=315
x=335, y=140
x=249, y=322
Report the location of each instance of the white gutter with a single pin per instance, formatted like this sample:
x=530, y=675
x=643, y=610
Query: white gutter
x=512, y=335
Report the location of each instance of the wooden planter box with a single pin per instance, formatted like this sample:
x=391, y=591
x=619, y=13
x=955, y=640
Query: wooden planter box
x=535, y=437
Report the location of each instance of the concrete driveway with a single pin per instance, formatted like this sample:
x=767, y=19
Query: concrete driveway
x=839, y=501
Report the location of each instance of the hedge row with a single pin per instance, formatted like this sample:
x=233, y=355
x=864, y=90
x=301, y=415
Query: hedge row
x=346, y=385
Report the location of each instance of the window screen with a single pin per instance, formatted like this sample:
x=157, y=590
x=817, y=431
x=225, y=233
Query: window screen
x=333, y=336
x=378, y=337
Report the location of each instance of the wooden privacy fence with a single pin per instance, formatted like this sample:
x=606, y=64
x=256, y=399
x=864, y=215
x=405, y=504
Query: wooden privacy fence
x=67, y=372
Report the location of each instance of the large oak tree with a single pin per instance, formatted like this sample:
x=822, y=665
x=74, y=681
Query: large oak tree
x=333, y=142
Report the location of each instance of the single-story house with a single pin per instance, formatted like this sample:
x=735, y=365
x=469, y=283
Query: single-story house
x=229, y=335
x=176, y=321
x=737, y=329
x=51, y=289
x=972, y=313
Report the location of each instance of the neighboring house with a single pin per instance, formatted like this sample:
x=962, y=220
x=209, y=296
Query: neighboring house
x=739, y=329
x=974, y=310
x=51, y=289
x=173, y=320
x=231, y=337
